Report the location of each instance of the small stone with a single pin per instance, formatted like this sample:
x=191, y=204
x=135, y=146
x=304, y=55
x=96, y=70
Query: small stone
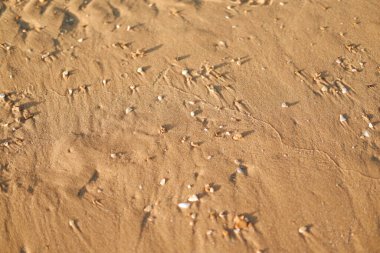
x=185, y=72
x=113, y=156
x=65, y=74
x=342, y=118
x=284, y=105
x=148, y=208
x=370, y=125
x=303, y=230
x=184, y=205
x=344, y=90
x=237, y=136
x=209, y=188
x=193, y=198
x=365, y=133
x=2, y=95
x=140, y=70
x=163, y=181
x=129, y=110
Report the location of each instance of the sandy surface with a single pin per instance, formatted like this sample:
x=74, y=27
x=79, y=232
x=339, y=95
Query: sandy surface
x=261, y=118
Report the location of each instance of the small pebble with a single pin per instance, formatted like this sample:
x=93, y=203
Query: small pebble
x=303, y=230
x=193, y=198
x=284, y=105
x=365, y=133
x=163, y=181
x=184, y=205
x=185, y=72
x=129, y=110
x=140, y=70
x=342, y=118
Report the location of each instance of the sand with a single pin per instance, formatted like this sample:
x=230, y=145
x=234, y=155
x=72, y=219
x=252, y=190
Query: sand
x=189, y=126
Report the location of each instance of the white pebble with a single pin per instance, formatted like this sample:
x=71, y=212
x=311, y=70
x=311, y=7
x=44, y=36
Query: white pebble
x=185, y=72
x=2, y=95
x=342, y=118
x=184, y=205
x=284, y=105
x=140, y=70
x=129, y=110
x=366, y=133
x=163, y=181
x=193, y=198
x=303, y=230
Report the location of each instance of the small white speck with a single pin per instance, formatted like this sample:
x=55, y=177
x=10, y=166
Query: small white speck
x=185, y=72
x=370, y=125
x=140, y=70
x=365, y=133
x=193, y=198
x=344, y=90
x=342, y=118
x=2, y=95
x=284, y=105
x=163, y=181
x=129, y=110
x=303, y=230
x=184, y=205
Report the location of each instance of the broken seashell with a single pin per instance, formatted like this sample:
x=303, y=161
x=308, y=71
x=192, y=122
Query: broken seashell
x=163, y=181
x=237, y=136
x=185, y=72
x=342, y=118
x=303, y=230
x=148, y=208
x=209, y=188
x=193, y=198
x=365, y=133
x=140, y=70
x=184, y=205
x=241, y=222
x=129, y=110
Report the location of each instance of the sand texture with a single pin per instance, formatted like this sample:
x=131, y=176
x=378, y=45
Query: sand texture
x=189, y=126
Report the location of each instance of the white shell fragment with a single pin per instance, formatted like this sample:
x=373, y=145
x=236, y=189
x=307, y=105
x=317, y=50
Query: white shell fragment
x=342, y=118
x=184, y=205
x=185, y=72
x=148, y=208
x=140, y=70
x=129, y=110
x=163, y=181
x=365, y=133
x=193, y=198
x=303, y=230
x=344, y=90
x=284, y=105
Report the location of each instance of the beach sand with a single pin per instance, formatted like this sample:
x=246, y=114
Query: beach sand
x=189, y=126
